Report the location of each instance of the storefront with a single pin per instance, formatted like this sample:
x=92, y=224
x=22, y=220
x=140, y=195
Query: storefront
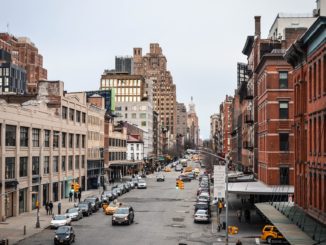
x=55, y=192
x=45, y=193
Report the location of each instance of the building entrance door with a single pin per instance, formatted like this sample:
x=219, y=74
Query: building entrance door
x=9, y=204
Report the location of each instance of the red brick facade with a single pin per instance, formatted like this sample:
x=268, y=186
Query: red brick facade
x=308, y=57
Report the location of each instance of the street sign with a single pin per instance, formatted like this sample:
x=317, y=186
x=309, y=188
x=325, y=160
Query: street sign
x=219, y=181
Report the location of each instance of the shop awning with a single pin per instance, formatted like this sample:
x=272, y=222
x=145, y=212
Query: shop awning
x=293, y=234
x=259, y=188
x=130, y=163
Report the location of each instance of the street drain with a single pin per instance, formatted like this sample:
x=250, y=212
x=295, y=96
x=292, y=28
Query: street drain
x=178, y=219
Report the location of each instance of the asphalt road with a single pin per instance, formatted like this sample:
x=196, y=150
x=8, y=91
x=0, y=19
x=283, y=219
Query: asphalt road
x=163, y=215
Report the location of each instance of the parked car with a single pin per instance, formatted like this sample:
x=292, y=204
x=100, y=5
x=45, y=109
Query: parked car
x=127, y=186
x=107, y=195
x=123, y=215
x=74, y=213
x=112, y=207
x=203, y=206
x=116, y=192
x=270, y=233
x=86, y=208
x=160, y=177
x=132, y=184
x=95, y=203
x=203, y=198
x=142, y=184
x=123, y=188
x=64, y=235
x=60, y=220
x=202, y=215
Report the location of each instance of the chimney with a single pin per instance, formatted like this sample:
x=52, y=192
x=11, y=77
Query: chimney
x=257, y=26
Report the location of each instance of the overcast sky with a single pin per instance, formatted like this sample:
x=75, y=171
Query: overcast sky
x=202, y=39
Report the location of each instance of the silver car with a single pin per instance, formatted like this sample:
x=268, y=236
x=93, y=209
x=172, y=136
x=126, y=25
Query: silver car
x=201, y=216
x=74, y=213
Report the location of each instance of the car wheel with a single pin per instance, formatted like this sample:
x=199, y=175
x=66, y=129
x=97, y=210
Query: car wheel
x=269, y=240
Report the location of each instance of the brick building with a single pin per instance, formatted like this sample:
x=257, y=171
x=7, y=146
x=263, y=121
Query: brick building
x=226, y=120
x=153, y=66
x=308, y=58
x=25, y=54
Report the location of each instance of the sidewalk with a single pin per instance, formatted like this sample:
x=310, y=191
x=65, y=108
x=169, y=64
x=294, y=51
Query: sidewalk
x=13, y=228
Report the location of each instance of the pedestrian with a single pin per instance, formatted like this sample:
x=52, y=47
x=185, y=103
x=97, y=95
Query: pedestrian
x=47, y=208
x=51, y=207
x=70, y=196
x=220, y=206
x=239, y=214
x=79, y=196
x=219, y=227
x=238, y=242
x=75, y=196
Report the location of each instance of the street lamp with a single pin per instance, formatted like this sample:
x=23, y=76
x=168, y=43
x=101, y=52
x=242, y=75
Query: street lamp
x=227, y=161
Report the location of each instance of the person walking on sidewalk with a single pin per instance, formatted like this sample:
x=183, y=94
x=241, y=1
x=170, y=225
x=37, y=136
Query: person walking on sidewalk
x=239, y=214
x=47, y=208
x=51, y=207
x=70, y=196
x=79, y=196
x=220, y=206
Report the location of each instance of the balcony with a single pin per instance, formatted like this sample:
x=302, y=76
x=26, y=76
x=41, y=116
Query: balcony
x=249, y=118
x=248, y=145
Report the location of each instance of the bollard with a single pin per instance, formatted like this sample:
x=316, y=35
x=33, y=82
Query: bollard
x=24, y=230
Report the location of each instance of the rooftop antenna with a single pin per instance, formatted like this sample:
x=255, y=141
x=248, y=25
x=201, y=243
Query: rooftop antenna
x=8, y=31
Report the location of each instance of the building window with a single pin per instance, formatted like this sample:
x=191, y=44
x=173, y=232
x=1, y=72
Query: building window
x=77, y=140
x=284, y=141
x=83, y=117
x=77, y=116
x=142, y=115
x=284, y=175
x=23, y=161
x=83, y=161
x=36, y=137
x=76, y=162
x=71, y=114
x=137, y=147
x=55, y=139
x=47, y=138
x=71, y=140
x=63, y=163
x=83, y=141
x=10, y=135
x=143, y=123
x=64, y=139
x=64, y=112
x=284, y=110
x=283, y=79
x=46, y=166
x=35, y=165
x=70, y=163
x=133, y=115
x=10, y=168
x=23, y=136
x=55, y=164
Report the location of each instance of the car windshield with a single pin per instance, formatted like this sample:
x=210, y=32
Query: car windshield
x=82, y=205
x=122, y=211
x=62, y=230
x=72, y=210
x=201, y=211
x=59, y=217
x=141, y=181
x=112, y=204
x=90, y=200
x=201, y=206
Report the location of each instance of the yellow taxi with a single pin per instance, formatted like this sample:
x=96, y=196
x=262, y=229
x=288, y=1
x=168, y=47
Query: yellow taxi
x=269, y=233
x=196, y=171
x=113, y=206
x=167, y=169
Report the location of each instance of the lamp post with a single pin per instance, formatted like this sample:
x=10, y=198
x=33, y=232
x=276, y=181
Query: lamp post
x=227, y=161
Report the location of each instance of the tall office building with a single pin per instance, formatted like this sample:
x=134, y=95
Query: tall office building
x=153, y=66
x=124, y=64
x=193, y=125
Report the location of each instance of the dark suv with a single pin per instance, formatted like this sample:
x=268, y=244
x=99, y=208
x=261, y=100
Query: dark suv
x=86, y=208
x=95, y=202
x=123, y=215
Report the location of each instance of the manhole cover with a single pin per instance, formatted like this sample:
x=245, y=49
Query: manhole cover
x=178, y=219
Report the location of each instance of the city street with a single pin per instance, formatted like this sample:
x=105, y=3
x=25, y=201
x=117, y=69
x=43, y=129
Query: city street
x=163, y=215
